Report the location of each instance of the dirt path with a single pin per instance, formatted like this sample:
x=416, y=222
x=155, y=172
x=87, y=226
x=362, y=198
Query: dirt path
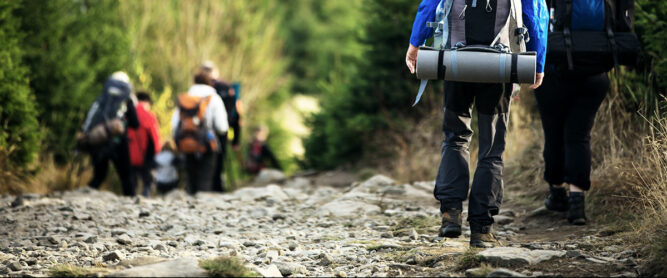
x=302, y=227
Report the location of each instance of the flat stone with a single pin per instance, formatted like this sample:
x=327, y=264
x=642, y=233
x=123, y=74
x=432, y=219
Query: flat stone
x=124, y=239
x=15, y=266
x=516, y=256
x=502, y=219
x=183, y=267
x=267, y=176
x=269, y=271
x=347, y=208
x=139, y=261
x=287, y=269
x=113, y=255
x=504, y=272
x=325, y=259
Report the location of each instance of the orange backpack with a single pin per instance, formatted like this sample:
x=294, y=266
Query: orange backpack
x=192, y=135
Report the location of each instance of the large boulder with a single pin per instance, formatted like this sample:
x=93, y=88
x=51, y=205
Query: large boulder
x=268, y=176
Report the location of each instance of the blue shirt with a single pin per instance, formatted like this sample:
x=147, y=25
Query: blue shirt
x=535, y=18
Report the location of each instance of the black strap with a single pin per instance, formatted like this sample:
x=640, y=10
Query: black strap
x=441, y=67
x=610, y=22
x=567, y=35
x=514, y=77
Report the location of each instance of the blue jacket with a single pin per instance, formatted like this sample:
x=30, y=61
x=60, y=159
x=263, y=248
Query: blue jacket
x=535, y=17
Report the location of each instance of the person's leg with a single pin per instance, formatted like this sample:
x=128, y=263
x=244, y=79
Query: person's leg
x=591, y=91
x=218, y=179
x=492, y=102
x=205, y=172
x=100, y=169
x=452, y=181
x=553, y=102
x=147, y=179
x=121, y=161
x=191, y=164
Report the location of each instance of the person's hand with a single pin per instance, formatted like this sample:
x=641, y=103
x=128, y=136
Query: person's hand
x=411, y=58
x=538, y=80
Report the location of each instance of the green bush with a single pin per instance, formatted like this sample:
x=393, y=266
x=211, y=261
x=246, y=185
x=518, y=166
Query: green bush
x=71, y=47
x=374, y=98
x=19, y=132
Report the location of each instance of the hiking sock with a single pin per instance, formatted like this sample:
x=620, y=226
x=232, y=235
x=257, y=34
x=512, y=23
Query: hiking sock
x=557, y=199
x=577, y=214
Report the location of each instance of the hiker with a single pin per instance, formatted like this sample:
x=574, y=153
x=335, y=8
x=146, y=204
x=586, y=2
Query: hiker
x=476, y=22
x=575, y=86
x=104, y=134
x=259, y=152
x=197, y=123
x=231, y=102
x=144, y=143
x=166, y=173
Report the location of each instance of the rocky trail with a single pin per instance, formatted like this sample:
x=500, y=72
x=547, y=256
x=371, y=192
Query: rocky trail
x=303, y=226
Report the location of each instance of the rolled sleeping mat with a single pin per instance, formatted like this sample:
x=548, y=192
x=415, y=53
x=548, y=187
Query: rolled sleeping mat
x=476, y=64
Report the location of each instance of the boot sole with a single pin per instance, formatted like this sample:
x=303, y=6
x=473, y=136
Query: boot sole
x=578, y=221
x=450, y=232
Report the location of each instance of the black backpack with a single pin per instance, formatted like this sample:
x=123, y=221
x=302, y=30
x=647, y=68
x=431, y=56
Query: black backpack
x=592, y=52
x=110, y=105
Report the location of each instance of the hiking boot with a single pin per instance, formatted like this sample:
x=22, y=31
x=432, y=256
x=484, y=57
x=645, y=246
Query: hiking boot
x=577, y=214
x=557, y=199
x=451, y=223
x=482, y=237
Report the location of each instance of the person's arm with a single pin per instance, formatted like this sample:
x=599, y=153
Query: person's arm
x=131, y=114
x=155, y=133
x=175, y=118
x=536, y=19
x=420, y=32
x=220, y=123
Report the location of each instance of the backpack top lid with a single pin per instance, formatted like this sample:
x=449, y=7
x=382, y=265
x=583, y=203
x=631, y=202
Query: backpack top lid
x=587, y=15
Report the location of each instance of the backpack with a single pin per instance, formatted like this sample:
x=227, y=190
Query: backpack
x=590, y=52
x=105, y=120
x=192, y=135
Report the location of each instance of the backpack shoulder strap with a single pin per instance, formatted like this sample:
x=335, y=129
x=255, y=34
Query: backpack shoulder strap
x=203, y=105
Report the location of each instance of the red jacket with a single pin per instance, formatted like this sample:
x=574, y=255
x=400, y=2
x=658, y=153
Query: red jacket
x=138, y=137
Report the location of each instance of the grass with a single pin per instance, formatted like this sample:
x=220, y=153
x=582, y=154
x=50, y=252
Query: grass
x=66, y=270
x=469, y=259
x=421, y=224
x=226, y=267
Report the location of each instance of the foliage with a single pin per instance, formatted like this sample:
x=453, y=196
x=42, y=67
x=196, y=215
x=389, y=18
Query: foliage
x=321, y=38
x=469, y=259
x=19, y=133
x=356, y=107
x=240, y=37
x=71, y=47
x=226, y=267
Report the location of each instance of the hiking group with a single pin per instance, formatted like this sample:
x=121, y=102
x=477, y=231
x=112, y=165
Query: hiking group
x=121, y=128
x=575, y=43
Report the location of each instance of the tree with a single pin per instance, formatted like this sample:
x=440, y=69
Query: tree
x=71, y=47
x=19, y=135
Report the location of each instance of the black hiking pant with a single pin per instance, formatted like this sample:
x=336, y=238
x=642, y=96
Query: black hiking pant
x=568, y=104
x=219, y=175
x=200, y=170
x=143, y=173
x=119, y=154
x=453, y=179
